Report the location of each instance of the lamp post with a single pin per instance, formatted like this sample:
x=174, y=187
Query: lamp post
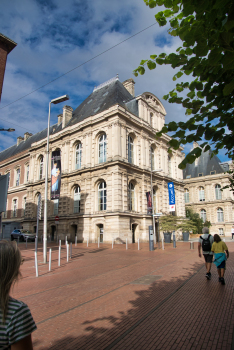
x=9, y=130
x=54, y=101
x=152, y=198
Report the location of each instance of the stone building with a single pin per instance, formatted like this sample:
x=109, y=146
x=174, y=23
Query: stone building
x=107, y=145
x=204, y=180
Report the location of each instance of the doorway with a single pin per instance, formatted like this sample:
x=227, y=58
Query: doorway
x=100, y=232
x=134, y=226
x=53, y=230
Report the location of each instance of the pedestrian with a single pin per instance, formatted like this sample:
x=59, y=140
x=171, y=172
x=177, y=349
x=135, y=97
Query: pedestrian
x=16, y=322
x=221, y=253
x=205, y=243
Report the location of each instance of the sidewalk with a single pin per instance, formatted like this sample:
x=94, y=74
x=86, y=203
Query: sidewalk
x=128, y=299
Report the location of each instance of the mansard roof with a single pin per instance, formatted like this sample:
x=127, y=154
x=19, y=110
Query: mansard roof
x=205, y=166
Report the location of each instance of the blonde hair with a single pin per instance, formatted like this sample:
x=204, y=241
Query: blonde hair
x=10, y=261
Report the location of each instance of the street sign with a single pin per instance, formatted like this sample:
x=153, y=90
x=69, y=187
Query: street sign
x=56, y=218
x=171, y=193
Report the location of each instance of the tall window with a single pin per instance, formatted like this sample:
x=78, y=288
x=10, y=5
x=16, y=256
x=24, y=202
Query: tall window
x=41, y=165
x=152, y=158
x=186, y=195
x=201, y=194
x=102, y=196
x=24, y=205
x=27, y=173
x=130, y=150
x=102, y=148
x=203, y=215
x=221, y=231
x=17, y=177
x=78, y=155
x=131, y=196
x=56, y=205
x=169, y=166
x=9, y=177
x=218, y=192
x=220, y=215
x=77, y=199
x=151, y=119
x=155, y=201
x=14, y=208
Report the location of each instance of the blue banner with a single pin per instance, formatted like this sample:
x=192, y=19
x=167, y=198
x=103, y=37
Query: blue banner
x=171, y=193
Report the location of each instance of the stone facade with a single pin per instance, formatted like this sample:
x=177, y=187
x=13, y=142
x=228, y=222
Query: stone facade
x=106, y=170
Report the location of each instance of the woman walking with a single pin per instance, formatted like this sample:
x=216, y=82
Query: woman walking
x=16, y=322
x=221, y=254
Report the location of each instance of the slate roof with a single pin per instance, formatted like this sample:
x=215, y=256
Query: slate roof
x=205, y=165
x=100, y=100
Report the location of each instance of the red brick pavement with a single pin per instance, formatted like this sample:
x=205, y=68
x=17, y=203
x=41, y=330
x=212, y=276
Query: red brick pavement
x=127, y=299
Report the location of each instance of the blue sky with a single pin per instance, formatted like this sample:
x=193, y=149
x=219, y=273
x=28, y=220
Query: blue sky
x=55, y=36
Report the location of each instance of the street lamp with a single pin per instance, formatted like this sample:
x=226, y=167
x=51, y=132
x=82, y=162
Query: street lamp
x=54, y=101
x=9, y=130
x=152, y=198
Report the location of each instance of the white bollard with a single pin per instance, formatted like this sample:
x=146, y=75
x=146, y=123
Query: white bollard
x=59, y=255
x=60, y=242
x=70, y=250
x=126, y=243
x=191, y=245
x=65, y=240
x=76, y=241
x=138, y=243
x=98, y=242
x=112, y=243
x=67, y=252
x=36, y=264
x=87, y=241
x=50, y=253
x=162, y=243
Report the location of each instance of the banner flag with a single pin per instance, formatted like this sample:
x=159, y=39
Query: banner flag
x=55, y=174
x=149, y=203
x=171, y=193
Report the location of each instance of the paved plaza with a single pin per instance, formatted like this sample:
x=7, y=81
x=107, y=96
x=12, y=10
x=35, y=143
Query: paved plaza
x=106, y=298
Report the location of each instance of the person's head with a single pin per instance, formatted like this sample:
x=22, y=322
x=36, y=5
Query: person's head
x=10, y=261
x=217, y=238
x=205, y=230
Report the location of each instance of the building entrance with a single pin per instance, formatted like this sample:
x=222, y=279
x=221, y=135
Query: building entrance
x=100, y=232
x=134, y=226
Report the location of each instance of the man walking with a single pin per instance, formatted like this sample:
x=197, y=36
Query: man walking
x=205, y=243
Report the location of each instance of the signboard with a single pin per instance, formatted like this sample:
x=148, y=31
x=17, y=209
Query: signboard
x=55, y=174
x=149, y=203
x=56, y=220
x=171, y=193
x=39, y=207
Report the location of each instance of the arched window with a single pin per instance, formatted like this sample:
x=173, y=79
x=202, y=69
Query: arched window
x=41, y=165
x=155, y=200
x=203, y=215
x=78, y=155
x=27, y=173
x=169, y=166
x=102, y=148
x=186, y=195
x=77, y=199
x=220, y=214
x=151, y=119
x=152, y=158
x=201, y=194
x=15, y=205
x=9, y=177
x=218, y=192
x=131, y=196
x=130, y=150
x=24, y=205
x=102, y=196
x=17, y=182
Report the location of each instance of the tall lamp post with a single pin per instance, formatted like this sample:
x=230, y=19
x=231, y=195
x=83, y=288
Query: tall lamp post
x=9, y=130
x=152, y=198
x=54, y=101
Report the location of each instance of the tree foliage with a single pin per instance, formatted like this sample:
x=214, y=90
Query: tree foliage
x=206, y=29
x=170, y=223
x=197, y=221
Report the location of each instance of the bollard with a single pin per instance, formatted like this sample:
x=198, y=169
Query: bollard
x=138, y=243
x=87, y=241
x=36, y=243
x=76, y=241
x=60, y=242
x=50, y=253
x=70, y=250
x=59, y=255
x=174, y=241
x=67, y=252
x=191, y=245
x=36, y=264
x=112, y=243
x=65, y=240
x=162, y=243
x=26, y=242
x=98, y=242
x=126, y=243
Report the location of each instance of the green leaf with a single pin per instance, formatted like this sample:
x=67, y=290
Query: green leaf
x=151, y=65
x=172, y=126
x=153, y=57
x=141, y=70
x=191, y=94
x=228, y=88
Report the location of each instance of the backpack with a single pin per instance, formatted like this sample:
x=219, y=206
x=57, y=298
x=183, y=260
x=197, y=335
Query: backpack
x=206, y=246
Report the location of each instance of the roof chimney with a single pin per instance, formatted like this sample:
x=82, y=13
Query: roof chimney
x=60, y=118
x=67, y=115
x=19, y=139
x=129, y=85
x=27, y=135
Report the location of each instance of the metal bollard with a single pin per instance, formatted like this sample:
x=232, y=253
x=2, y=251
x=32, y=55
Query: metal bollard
x=36, y=264
x=98, y=242
x=174, y=241
x=87, y=241
x=50, y=254
x=59, y=255
x=26, y=242
x=162, y=243
x=138, y=243
x=60, y=242
x=70, y=250
x=67, y=252
x=126, y=243
x=76, y=241
x=65, y=240
x=191, y=245
x=112, y=243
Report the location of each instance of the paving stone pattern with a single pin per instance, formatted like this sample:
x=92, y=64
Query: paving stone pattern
x=127, y=299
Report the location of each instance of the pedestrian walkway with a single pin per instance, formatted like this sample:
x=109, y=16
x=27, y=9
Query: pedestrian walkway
x=106, y=298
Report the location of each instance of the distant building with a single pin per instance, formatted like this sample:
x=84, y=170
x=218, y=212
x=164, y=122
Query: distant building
x=204, y=180
x=107, y=147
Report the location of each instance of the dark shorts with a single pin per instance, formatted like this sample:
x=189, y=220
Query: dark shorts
x=222, y=265
x=208, y=258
